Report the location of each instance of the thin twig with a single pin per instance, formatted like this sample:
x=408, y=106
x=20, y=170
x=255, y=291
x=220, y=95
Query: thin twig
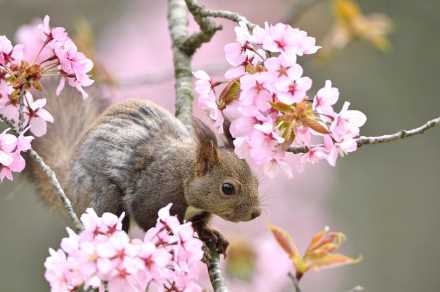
x=207, y=29
x=182, y=57
x=363, y=140
x=295, y=282
x=53, y=180
x=202, y=11
x=21, y=117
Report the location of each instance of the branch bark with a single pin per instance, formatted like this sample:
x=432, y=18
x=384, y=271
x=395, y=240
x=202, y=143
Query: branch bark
x=207, y=29
x=201, y=11
x=184, y=46
x=57, y=187
x=363, y=140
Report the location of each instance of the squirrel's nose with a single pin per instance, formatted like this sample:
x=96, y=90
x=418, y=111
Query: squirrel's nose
x=255, y=214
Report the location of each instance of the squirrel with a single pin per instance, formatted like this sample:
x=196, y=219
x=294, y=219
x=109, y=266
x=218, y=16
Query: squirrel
x=136, y=157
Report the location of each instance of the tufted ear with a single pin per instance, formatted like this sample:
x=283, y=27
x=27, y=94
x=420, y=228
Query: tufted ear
x=207, y=155
x=229, y=140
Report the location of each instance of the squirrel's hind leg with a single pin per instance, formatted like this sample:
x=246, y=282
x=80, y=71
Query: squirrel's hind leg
x=109, y=199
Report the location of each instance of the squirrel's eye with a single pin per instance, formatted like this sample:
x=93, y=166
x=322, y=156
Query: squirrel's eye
x=228, y=189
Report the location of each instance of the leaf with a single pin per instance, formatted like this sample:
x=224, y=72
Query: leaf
x=324, y=242
x=285, y=242
x=316, y=125
x=332, y=260
x=289, y=135
x=282, y=107
x=229, y=93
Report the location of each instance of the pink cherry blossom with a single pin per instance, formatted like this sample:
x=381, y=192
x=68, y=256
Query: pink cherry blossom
x=104, y=253
x=74, y=67
x=346, y=124
x=334, y=150
x=272, y=103
x=293, y=91
x=235, y=54
x=285, y=39
x=59, y=273
x=325, y=99
x=11, y=159
x=255, y=90
x=36, y=115
x=9, y=53
x=52, y=35
x=207, y=99
x=284, y=67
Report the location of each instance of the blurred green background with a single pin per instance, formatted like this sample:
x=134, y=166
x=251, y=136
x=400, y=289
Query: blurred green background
x=384, y=197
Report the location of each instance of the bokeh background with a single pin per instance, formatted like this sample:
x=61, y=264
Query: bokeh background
x=384, y=197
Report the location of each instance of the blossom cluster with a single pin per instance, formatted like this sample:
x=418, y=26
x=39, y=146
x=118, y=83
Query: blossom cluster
x=102, y=256
x=265, y=98
x=43, y=51
x=10, y=153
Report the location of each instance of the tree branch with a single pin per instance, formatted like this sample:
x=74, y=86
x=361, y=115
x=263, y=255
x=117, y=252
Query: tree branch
x=178, y=28
x=184, y=47
x=215, y=274
x=207, y=29
x=363, y=140
x=202, y=11
x=53, y=180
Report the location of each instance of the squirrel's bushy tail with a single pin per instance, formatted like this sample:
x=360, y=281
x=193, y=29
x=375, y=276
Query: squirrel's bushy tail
x=73, y=116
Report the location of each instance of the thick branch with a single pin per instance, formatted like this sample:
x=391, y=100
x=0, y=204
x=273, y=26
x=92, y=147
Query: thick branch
x=178, y=27
x=182, y=57
x=215, y=274
x=380, y=139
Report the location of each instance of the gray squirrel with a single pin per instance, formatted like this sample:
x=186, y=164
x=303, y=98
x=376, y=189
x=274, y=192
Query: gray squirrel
x=136, y=157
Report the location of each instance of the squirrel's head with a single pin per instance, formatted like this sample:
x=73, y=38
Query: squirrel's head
x=222, y=183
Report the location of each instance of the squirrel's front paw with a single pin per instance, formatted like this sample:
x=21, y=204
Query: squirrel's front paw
x=213, y=240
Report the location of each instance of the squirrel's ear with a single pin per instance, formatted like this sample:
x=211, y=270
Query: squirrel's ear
x=229, y=143
x=207, y=155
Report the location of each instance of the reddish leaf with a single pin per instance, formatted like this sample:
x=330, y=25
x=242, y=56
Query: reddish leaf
x=285, y=241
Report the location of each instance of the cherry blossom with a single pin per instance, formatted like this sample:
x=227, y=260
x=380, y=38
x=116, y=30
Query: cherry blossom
x=9, y=53
x=265, y=99
x=103, y=254
x=325, y=99
x=36, y=115
x=11, y=148
x=293, y=91
x=74, y=67
x=282, y=38
x=346, y=124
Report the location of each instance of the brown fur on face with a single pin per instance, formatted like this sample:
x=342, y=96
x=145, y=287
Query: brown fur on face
x=214, y=167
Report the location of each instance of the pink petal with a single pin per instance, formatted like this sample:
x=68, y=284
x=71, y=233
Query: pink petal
x=60, y=86
x=45, y=115
x=38, y=126
x=6, y=158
